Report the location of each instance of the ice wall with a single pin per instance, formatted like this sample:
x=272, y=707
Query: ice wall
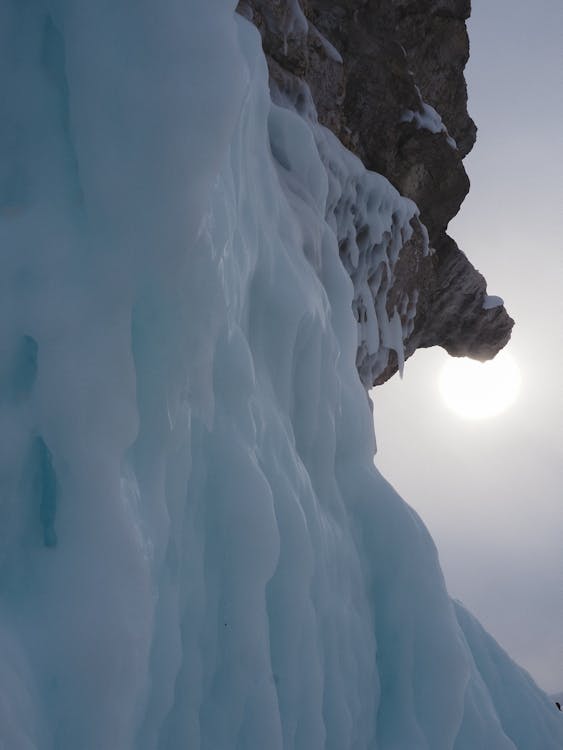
x=196, y=550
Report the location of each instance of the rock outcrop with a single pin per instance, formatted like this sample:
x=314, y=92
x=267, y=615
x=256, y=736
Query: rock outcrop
x=386, y=76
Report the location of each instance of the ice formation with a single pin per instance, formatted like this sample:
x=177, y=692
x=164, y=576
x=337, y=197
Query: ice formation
x=429, y=119
x=491, y=301
x=196, y=550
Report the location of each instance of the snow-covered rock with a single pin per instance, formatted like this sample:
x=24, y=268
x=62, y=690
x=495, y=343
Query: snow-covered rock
x=394, y=94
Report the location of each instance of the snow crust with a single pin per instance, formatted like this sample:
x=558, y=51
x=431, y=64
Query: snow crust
x=196, y=550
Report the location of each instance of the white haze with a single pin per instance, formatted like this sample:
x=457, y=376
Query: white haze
x=491, y=491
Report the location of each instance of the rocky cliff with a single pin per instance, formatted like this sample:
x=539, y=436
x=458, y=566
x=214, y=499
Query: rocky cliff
x=386, y=77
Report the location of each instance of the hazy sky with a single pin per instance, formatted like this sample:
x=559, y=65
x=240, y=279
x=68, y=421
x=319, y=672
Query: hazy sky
x=491, y=491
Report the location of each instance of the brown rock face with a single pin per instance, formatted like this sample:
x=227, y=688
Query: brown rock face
x=386, y=76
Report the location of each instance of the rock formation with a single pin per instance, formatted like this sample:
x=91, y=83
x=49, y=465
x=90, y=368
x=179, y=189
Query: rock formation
x=386, y=77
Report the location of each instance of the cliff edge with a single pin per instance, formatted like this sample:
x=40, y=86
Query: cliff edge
x=386, y=77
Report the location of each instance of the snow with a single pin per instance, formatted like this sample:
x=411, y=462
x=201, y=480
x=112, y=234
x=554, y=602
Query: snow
x=330, y=50
x=490, y=302
x=371, y=222
x=285, y=18
x=196, y=550
x=428, y=119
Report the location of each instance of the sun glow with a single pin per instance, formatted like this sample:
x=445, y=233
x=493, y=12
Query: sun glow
x=478, y=390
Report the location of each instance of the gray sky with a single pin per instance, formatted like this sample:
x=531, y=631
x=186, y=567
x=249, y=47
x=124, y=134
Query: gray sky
x=491, y=491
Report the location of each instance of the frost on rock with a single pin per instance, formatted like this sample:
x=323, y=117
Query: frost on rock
x=196, y=550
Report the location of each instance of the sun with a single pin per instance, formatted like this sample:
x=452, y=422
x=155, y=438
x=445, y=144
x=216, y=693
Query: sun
x=478, y=390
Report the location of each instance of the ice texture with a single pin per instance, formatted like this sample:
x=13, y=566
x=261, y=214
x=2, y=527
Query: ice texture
x=196, y=550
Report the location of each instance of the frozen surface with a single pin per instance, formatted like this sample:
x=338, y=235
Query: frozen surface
x=428, y=119
x=491, y=301
x=511, y=690
x=371, y=222
x=196, y=550
x=330, y=50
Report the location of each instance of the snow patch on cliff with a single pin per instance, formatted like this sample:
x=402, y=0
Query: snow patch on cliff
x=491, y=301
x=428, y=119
